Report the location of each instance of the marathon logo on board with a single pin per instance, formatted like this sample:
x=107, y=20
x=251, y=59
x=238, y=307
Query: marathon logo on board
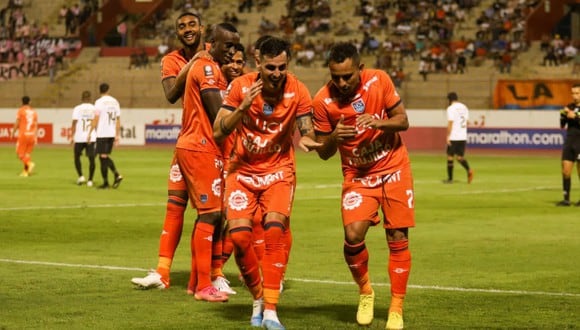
x=161, y=133
x=515, y=138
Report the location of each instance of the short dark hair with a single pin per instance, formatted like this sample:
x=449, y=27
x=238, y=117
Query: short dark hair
x=213, y=29
x=103, y=88
x=452, y=96
x=261, y=40
x=86, y=95
x=188, y=13
x=25, y=100
x=341, y=51
x=275, y=46
x=241, y=48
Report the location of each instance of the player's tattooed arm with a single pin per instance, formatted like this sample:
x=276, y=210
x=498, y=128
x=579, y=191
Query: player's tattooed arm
x=305, y=126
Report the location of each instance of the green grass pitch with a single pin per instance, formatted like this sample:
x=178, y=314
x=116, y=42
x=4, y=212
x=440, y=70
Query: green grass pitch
x=496, y=254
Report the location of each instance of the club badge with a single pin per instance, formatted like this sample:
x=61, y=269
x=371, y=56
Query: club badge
x=358, y=106
x=267, y=109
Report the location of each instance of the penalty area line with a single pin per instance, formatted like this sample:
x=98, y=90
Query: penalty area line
x=304, y=280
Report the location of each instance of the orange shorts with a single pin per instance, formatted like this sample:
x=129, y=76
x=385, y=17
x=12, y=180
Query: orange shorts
x=391, y=192
x=24, y=145
x=175, y=180
x=202, y=173
x=247, y=194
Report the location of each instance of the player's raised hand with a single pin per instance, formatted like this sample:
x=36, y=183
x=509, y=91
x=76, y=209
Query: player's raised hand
x=251, y=94
x=343, y=131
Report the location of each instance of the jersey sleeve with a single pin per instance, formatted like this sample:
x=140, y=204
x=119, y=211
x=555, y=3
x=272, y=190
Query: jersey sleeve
x=234, y=95
x=392, y=98
x=321, y=118
x=305, y=101
x=206, y=75
x=169, y=67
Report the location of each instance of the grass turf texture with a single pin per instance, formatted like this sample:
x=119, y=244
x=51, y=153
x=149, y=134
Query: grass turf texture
x=494, y=254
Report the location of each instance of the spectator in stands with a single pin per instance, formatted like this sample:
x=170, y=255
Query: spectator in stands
x=550, y=57
x=424, y=67
x=570, y=53
x=122, y=31
x=461, y=62
x=505, y=62
x=62, y=14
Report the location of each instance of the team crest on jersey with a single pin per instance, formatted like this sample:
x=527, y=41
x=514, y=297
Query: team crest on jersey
x=351, y=200
x=358, y=106
x=175, y=173
x=267, y=109
x=216, y=187
x=207, y=70
x=203, y=198
x=238, y=200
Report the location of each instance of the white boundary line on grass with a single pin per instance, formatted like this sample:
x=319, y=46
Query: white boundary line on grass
x=304, y=280
x=95, y=206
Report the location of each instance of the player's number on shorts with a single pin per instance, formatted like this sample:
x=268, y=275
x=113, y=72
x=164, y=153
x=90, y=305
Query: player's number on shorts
x=409, y=198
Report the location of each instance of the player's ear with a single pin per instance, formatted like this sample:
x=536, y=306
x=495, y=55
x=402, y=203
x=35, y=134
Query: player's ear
x=361, y=66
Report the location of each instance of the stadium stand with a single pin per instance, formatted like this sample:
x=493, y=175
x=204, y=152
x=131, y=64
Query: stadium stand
x=391, y=35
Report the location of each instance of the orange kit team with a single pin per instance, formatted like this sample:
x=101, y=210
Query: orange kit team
x=27, y=125
x=174, y=69
x=359, y=114
x=200, y=158
x=264, y=108
x=234, y=69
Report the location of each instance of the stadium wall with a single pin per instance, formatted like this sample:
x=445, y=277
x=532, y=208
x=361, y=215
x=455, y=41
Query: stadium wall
x=488, y=129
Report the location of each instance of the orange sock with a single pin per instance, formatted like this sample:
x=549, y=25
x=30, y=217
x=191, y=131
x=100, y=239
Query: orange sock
x=274, y=255
x=171, y=234
x=399, y=269
x=287, y=239
x=246, y=257
x=217, y=262
x=227, y=248
x=203, y=253
x=192, y=284
x=357, y=259
x=271, y=298
x=258, y=236
x=172, y=226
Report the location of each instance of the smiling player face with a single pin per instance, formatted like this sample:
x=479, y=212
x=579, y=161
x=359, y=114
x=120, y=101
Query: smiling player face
x=189, y=31
x=235, y=67
x=273, y=71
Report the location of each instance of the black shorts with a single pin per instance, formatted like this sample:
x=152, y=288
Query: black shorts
x=89, y=149
x=571, y=149
x=456, y=148
x=105, y=145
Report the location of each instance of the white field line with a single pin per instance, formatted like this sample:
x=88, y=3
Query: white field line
x=298, y=198
x=305, y=280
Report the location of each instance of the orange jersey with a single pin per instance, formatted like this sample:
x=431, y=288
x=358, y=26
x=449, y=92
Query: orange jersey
x=172, y=63
x=196, y=133
x=371, y=151
x=28, y=121
x=264, y=136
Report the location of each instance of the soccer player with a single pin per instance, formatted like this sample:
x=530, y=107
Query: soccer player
x=200, y=157
x=360, y=114
x=457, y=118
x=27, y=125
x=82, y=117
x=174, y=68
x=264, y=108
x=107, y=124
x=570, y=118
